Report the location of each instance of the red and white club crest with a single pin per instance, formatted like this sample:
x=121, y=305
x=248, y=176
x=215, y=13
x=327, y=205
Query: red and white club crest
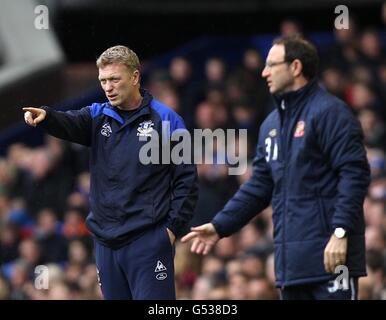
x=299, y=131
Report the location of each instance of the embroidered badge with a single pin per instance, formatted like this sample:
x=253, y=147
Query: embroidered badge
x=160, y=275
x=160, y=267
x=145, y=128
x=272, y=133
x=106, y=130
x=299, y=131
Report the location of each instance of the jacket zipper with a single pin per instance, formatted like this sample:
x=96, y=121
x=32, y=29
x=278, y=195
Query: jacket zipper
x=284, y=154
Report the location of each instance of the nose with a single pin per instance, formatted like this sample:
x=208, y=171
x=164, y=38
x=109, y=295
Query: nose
x=108, y=86
x=265, y=72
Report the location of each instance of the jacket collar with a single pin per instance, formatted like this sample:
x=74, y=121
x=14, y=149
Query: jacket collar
x=143, y=109
x=293, y=99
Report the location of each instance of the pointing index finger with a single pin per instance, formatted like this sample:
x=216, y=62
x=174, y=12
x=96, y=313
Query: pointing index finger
x=189, y=236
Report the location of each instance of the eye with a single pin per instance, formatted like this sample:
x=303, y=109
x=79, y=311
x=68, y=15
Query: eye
x=116, y=80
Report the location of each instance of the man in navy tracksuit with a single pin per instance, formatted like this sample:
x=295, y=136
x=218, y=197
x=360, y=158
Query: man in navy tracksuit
x=312, y=165
x=137, y=209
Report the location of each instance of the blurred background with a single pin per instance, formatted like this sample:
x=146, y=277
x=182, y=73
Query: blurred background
x=202, y=58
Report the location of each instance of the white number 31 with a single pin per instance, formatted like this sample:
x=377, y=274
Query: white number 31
x=271, y=155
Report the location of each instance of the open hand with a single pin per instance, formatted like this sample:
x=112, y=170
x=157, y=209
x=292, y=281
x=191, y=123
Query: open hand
x=204, y=238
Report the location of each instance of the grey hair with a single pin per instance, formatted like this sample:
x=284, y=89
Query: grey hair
x=119, y=54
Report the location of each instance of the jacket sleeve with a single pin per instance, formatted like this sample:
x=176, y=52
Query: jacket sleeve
x=73, y=125
x=184, y=187
x=252, y=197
x=341, y=139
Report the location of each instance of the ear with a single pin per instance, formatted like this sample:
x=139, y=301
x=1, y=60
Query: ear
x=296, y=67
x=135, y=77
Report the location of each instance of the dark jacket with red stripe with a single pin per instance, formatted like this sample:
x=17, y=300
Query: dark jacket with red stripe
x=312, y=165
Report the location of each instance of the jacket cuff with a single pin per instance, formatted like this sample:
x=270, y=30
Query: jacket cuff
x=219, y=229
x=341, y=225
x=48, y=114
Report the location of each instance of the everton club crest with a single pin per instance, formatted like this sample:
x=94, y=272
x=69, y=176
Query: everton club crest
x=145, y=128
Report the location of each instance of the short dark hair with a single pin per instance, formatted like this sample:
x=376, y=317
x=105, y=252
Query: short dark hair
x=297, y=47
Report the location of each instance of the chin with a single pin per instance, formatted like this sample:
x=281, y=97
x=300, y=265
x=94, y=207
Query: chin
x=114, y=103
x=272, y=90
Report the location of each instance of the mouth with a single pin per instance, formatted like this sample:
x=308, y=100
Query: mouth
x=112, y=97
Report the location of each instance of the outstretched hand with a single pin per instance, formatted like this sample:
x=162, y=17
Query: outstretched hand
x=33, y=116
x=204, y=238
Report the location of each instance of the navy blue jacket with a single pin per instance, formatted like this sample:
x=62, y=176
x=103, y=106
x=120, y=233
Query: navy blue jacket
x=126, y=196
x=312, y=164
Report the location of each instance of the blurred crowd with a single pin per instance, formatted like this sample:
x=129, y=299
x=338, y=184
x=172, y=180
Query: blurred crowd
x=44, y=190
